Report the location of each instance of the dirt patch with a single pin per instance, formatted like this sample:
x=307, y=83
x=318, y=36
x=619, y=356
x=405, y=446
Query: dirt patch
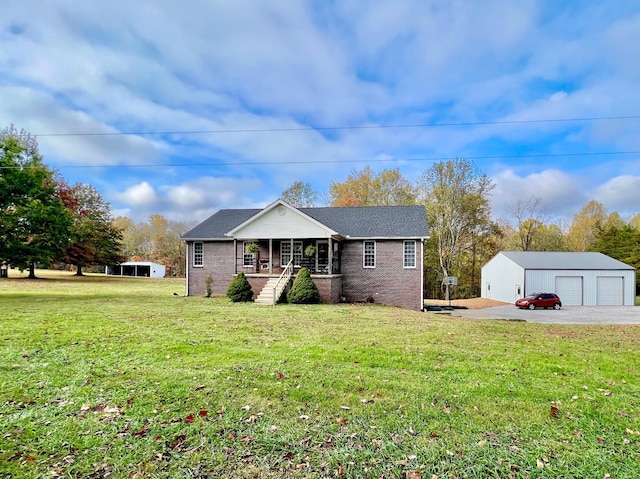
x=472, y=303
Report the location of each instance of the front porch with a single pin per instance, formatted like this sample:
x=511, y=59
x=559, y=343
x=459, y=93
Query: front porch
x=329, y=286
x=269, y=257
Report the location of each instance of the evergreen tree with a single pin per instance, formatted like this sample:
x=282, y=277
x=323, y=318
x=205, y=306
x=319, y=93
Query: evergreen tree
x=303, y=290
x=239, y=289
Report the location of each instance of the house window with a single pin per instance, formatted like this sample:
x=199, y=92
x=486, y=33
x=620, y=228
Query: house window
x=198, y=254
x=409, y=254
x=247, y=258
x=285, y=253
x=369, y=256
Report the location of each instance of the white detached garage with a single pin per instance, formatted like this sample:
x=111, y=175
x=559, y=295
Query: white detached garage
x=588, y=279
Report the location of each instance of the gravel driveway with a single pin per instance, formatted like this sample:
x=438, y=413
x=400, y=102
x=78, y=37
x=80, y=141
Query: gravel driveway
x=566, y=315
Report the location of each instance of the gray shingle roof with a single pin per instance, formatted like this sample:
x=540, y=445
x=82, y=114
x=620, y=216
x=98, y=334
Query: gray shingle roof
x=564, y=260
x=354, y=222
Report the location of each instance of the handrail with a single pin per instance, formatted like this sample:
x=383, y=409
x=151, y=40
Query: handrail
x=287, y=272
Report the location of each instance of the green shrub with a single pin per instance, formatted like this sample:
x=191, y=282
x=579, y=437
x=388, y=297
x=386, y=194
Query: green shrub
x=303, y=290
x=239, y=289
x=208, y=282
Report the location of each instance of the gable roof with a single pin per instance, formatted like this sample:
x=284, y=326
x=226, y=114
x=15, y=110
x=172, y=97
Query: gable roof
x=349, y=222
x=564, y=260
x=295, y=223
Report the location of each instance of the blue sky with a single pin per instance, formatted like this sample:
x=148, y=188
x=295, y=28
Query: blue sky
x=245, y=96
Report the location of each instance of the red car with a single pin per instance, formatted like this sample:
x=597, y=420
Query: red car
x=540, y=300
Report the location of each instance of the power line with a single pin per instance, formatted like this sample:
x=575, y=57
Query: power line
x=337, y=128
x=375, y=160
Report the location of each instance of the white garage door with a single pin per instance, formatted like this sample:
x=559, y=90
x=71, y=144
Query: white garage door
x=569, y=288
x=610, y=291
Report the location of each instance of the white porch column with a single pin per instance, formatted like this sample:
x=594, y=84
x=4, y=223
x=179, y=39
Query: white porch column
x=270, y=256
x=330, y=255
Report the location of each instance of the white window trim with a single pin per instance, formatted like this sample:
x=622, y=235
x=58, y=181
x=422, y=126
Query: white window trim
x=201, y=254
x=296, y=251
x=415, y=254
x=364, y=254
x=245, y=255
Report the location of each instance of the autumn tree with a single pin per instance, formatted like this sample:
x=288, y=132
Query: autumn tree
x=300, y=195
x=34, y=223
x=530, y=216
x=365, y=188
x=458, y=211
x=94, y=240
x=584, y=226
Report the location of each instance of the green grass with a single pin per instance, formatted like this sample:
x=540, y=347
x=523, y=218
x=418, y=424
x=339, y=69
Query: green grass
x=117, y=377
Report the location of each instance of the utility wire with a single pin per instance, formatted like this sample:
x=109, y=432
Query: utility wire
x=336, y=128
x=374, y=160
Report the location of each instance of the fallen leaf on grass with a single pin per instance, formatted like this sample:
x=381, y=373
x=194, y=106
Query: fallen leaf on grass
x=253, y=418
x=141, y=432
x=555, y=412
x=178, y=441
x=190, y=418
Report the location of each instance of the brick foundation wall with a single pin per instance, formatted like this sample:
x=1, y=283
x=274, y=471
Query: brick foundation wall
x=330, y=287
x=389, y=282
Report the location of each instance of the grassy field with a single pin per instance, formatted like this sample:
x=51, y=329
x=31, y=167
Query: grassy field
x=119, y=377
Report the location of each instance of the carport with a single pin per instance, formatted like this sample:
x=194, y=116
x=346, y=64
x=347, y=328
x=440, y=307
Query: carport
x=580, y=279
x=146, y=269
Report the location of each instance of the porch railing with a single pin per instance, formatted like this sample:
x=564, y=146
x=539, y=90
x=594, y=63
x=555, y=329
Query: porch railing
x=282, y=282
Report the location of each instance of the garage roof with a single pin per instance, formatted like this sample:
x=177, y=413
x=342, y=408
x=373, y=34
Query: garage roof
x=565, y=260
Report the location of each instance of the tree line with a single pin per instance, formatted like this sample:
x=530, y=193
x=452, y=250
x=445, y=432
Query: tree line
x=463, y=233
x=46, y=221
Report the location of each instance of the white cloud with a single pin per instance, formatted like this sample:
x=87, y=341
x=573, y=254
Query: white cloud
x=621, y=194
x=560, y=194
x=139, y=195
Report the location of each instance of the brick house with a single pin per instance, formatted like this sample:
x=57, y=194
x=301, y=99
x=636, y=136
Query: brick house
x=354, y=254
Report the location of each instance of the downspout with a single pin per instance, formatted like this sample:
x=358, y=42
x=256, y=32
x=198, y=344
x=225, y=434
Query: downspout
x=422, y=274
x=186, y=269
x=235, y=256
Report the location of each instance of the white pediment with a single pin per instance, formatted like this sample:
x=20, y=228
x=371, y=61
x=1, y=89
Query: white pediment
x=281, y=221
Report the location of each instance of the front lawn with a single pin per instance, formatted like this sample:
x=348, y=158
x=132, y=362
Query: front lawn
x=118, y=377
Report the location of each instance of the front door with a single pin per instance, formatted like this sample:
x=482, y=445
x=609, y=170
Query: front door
x=322, y=256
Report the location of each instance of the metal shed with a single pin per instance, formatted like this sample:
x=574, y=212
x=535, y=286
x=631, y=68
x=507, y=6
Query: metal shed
x=588, y=279
x=145, y=269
